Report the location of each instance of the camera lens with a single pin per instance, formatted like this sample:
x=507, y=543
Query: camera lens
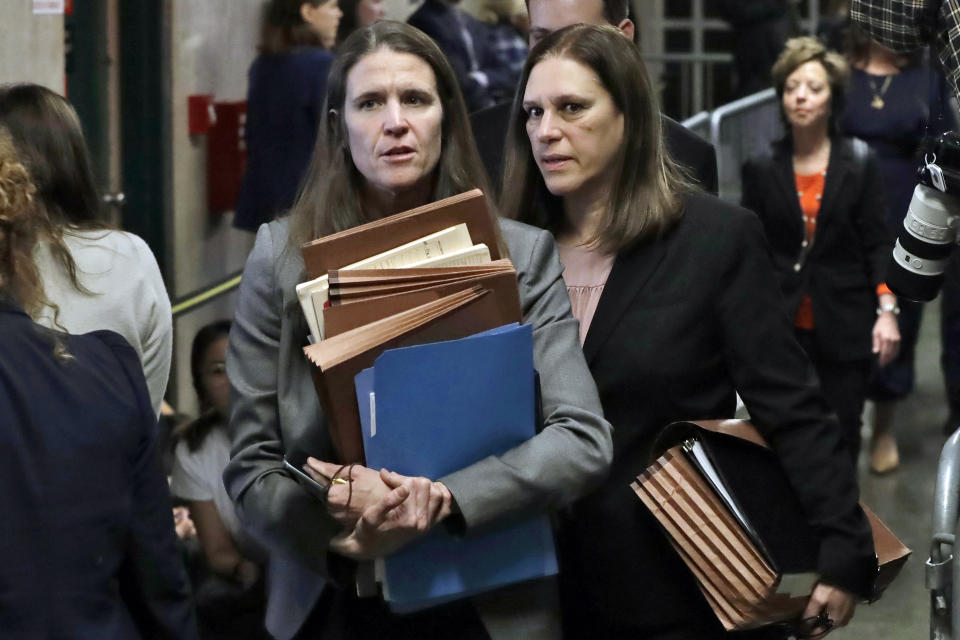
x=925, y=243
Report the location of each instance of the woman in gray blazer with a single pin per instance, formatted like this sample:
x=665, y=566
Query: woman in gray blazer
x=395, y=135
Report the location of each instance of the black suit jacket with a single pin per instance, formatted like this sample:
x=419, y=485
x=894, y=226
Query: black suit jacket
x=683, y=323
x=87, y=534
x=685, y=147
x=851, y=246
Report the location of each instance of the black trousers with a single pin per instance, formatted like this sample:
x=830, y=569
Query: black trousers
x=342, y=616
x=844, y=385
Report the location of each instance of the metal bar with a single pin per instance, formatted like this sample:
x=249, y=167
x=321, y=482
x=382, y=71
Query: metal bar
x=944, y=609
x=952, y=591
x=724, y=111
x=705, y=56
x=699, y=123
x=813, y=13
x=194, y=300
x=714, y=24
x=698, y=101
x=946, y=497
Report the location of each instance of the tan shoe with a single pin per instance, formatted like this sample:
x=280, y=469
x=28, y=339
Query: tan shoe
x=884, y=456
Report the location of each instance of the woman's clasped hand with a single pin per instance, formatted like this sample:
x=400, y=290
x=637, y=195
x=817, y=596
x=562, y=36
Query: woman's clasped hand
x=380, y=511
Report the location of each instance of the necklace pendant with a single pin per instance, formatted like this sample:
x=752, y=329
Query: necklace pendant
x=877, y=102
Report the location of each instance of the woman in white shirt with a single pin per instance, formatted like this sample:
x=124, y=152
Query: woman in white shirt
x=94, y=277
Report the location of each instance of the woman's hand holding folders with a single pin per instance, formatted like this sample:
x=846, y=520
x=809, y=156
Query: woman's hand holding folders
x=380, y=511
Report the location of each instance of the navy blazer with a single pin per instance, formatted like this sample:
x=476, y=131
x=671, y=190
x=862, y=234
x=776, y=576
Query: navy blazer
x=86, y=536
x=851, y=246
x=683, y=323
x=285, y=97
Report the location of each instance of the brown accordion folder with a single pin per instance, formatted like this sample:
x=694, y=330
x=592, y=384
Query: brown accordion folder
x=357, y=243
x=359, y=297
x=728, y=509
x=371, y=310
x=338, y=359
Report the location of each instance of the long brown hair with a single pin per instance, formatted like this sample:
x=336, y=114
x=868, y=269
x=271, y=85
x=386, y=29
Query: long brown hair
x=21, y=223
x=329, y=195
x=46, y=133
x=647, y=196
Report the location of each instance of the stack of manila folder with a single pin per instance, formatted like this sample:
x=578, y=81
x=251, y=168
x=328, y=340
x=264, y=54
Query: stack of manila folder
x=430, y=274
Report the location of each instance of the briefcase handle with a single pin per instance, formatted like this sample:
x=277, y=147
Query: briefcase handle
x=676, y=432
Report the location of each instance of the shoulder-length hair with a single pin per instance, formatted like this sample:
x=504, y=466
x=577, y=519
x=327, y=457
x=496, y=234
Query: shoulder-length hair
x=21, y=223
x=47, y=135
x=798, y=52
x=329, y=198
x=284, y=28
x=649, y=187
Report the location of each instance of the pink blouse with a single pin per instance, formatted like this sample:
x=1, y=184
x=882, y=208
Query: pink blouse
x=585, y=272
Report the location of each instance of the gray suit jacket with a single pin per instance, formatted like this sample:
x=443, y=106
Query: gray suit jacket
x=275, y=410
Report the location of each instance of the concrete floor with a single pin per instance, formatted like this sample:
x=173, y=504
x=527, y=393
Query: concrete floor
x=904, y=499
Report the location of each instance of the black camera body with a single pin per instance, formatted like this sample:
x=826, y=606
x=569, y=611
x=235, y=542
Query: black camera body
x=932, y=224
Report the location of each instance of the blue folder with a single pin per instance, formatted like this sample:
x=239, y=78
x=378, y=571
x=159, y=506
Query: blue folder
x=435, y=409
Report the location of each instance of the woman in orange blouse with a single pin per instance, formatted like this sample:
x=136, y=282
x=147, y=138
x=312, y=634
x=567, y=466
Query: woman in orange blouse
x=819, y=197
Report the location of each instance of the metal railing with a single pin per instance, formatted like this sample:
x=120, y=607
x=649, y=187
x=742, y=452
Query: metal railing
x=700, y=124
x=694, y=76
x=739, y=130
x=942, y=572
x=201, y=297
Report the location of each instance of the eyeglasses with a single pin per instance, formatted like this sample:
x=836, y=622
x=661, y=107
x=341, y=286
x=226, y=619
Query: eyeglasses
x=808, y=628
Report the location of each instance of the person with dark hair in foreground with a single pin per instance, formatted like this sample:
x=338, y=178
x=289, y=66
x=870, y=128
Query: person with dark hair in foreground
x=679, y=309
x=89, y=546
x=695, y=155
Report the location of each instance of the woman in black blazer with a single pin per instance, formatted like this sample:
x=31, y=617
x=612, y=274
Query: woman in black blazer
x=686, y=314
x=821, y=202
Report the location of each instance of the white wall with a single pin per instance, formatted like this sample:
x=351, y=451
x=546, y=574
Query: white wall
x=31, y=46
x=212, y=44
x=400, y=9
